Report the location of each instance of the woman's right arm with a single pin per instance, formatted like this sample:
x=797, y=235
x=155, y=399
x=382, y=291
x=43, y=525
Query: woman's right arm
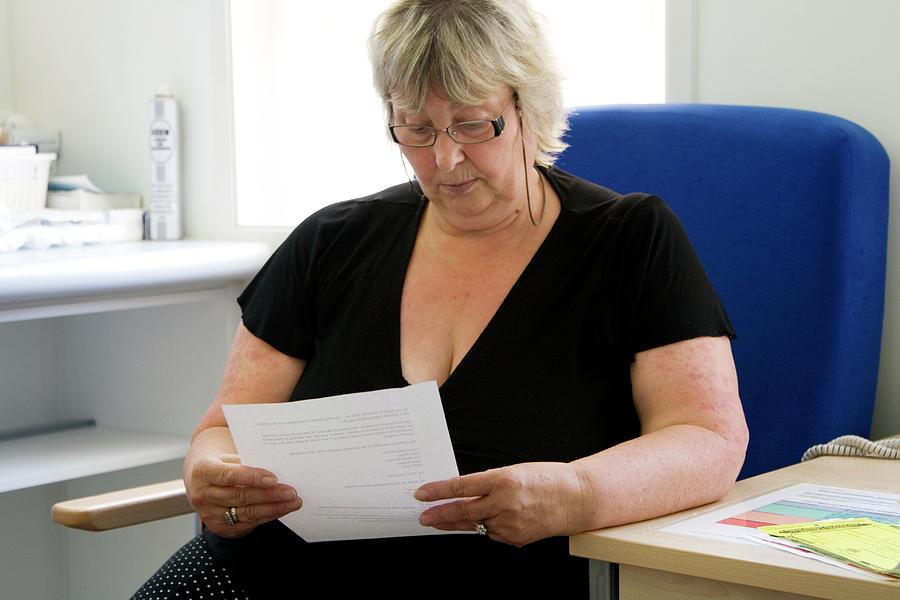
x=213, y=476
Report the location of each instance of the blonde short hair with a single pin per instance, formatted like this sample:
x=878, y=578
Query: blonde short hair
x=466, y=50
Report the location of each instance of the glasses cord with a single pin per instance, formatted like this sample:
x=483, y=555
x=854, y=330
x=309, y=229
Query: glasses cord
x=412, y=188
x=527, y=190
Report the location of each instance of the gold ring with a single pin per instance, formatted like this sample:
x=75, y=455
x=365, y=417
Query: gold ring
x=231, y=516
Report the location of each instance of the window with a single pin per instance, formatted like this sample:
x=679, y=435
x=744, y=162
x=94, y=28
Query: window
x=309, y=128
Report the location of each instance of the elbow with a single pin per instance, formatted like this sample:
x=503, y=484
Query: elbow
x=740, y=440
x=726, y=455
x=733, y=454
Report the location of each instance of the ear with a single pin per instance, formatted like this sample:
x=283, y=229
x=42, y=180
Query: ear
x=518, y=106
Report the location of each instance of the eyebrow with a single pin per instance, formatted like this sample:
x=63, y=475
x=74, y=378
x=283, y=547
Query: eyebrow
x=455, y=108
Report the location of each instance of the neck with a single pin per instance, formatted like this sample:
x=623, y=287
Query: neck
x=513, y=230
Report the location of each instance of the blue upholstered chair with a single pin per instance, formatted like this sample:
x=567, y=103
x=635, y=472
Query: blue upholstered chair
x=788, y=211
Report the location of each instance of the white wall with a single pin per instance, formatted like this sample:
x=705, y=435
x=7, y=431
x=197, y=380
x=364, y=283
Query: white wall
x=832, y=56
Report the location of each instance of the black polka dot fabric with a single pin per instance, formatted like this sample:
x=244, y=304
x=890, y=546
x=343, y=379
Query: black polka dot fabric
x=191, y=574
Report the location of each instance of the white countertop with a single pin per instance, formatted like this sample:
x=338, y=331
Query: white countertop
x=55, y=276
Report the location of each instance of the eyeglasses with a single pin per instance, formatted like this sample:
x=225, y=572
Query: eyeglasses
x=467, y=132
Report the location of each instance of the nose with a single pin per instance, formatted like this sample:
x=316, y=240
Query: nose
x=447, y=153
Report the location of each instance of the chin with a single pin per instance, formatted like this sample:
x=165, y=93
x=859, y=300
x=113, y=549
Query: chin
x=467, y=207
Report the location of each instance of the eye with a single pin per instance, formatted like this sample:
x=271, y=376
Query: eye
x=470, y=127
x=471, y=132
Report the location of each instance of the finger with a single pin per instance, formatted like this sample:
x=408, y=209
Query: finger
x=493, y=532
x=217, y=523
x=467, y=486
x=240, y=496
x=227, y=474
x=257, y=514
x=456, y=526
x=248, y=517
x=464, y=511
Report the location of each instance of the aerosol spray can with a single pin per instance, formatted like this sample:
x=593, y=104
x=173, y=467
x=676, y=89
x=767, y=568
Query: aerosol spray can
x=165, y=195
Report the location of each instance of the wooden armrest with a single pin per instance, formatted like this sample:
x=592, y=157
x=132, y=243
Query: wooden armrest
x=124, y=507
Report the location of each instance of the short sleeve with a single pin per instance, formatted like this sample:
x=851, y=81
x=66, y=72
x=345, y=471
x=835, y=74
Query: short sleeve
x=277, y=306
x=667, y=294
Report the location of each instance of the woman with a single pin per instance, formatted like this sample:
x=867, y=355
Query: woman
x=583, y=358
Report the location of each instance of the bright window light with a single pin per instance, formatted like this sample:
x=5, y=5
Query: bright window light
x=309, y=128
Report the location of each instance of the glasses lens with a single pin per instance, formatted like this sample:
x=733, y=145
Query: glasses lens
x=471, y=132
x=414, y=135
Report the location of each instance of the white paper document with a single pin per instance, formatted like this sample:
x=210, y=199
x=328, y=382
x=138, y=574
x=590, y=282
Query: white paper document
x=355, y=460
x=797, y=503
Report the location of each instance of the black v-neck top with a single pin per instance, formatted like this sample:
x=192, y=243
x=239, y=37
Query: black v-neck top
x=547, y=380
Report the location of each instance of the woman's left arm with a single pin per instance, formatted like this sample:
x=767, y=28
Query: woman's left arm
x=691, y=448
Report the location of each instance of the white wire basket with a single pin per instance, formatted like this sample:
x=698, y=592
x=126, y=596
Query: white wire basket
x=23, y=181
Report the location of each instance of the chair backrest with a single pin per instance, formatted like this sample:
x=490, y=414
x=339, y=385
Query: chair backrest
x=788, y=211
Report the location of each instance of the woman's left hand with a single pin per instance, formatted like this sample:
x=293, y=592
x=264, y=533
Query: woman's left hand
x=518, y=504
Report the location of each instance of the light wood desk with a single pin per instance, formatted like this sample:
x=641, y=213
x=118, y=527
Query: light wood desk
x=657, y=565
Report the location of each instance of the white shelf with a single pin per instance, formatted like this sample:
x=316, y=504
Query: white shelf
x=65, y=455
x=148, y=354
x=38, y=284
x=41, y=284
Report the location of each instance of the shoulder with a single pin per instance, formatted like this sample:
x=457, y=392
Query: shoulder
x=384, y=209
x=380, y=206
x=596, y=205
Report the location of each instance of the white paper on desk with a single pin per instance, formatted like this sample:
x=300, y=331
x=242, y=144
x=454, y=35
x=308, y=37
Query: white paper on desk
x=796, y=503
x=354, y=459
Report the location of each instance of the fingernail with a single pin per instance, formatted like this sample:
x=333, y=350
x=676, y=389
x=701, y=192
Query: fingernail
x=425, y=520
x=269, y=481
x=420, y=494
x=288, y=494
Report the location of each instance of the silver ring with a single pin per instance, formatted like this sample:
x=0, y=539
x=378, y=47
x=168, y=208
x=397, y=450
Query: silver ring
x=480, y=528
x=231, y=516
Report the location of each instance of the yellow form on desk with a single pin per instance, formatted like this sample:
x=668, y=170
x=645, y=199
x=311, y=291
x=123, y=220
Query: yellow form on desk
x=862, y=542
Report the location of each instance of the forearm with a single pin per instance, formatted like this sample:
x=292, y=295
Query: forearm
x=255, y=372
x=658, y=473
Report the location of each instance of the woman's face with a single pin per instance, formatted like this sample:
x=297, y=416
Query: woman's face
x=473, y=186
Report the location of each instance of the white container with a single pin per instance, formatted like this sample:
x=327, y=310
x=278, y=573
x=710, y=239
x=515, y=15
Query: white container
x=23, y=180
x=164, y=206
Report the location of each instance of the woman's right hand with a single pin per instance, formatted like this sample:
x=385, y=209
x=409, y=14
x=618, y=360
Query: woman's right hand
x=215, y=484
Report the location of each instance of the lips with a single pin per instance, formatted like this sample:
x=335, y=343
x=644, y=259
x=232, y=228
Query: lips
x=459, y=188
